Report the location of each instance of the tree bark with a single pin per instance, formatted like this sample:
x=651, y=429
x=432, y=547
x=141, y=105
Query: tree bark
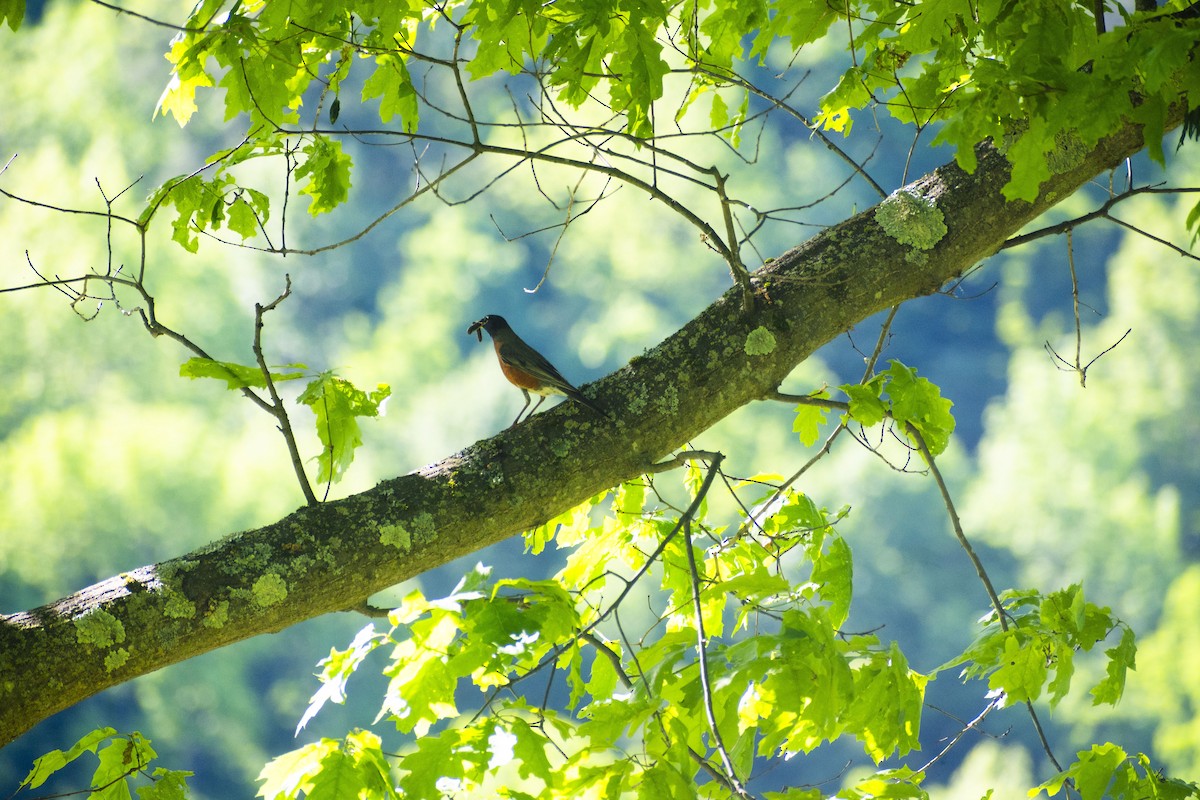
x=333, y=556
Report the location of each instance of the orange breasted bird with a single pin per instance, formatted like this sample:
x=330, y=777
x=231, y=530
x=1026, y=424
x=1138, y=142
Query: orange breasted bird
x=526, y=368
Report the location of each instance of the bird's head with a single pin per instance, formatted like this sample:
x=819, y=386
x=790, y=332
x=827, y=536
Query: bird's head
x=492, y=323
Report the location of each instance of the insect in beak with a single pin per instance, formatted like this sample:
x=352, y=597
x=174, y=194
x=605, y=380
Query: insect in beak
x=477, y=329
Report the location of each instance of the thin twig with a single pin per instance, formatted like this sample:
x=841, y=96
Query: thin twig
x=972, y=725
x=956, y=524
x=277, y=408
x=151, y=20
x=1101, y=212
x=680, y=459
x=1075, y=301
x=1037, y=724
x=702, y=656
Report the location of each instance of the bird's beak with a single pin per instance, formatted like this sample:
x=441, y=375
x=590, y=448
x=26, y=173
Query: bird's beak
x=477, y=329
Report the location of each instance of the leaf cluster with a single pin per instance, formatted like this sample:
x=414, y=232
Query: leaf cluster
x=1043, y=79
x=682, y=710
x=913, y=403
x=1107, y=771
x=121, y=763
x=1034, y=649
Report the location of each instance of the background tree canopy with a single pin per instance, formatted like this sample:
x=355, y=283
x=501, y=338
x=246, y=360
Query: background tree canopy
x=872, y=517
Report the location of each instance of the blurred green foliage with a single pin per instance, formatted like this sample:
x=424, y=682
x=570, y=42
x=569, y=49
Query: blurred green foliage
x=112, y=461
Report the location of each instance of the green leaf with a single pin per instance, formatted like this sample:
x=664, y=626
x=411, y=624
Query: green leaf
x=637, y=58
x=236, y=376
x=454, y=755
x=920, y=403
x=612, y=720
x=1121, y=659
x=336, y=779
x=662, y=780
x=1022, y=670
x=169, y=784
x=12, y=12
x=1193, y=218
x=602, y=681
x=1028, y=158
x=795, y=793
x=885, y=714
x=338, y=404
x=46, y=765
x=1095, y=769
x=357, y=768
x=1063, y=611
x=530, y=749
x=324, y=174
x=179, y=97
x=1064, y=669
x=392, y=83
x=866, y=407
x=285, y=777
x=1106, y=771
x=421, y=688
x=789, y=515
x=833, y=571
x=809, y=420
x=892, y=783
x=190, y=198
x=338, y=667
x=811, y=683
x=569, y=527
x=248, y=211
x=802, y=22
x=120, y=759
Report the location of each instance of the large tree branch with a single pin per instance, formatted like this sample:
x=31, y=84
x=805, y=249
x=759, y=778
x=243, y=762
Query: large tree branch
x=331, y=557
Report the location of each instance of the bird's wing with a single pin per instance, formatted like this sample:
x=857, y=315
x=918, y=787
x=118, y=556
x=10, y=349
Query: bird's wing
x=522, y=356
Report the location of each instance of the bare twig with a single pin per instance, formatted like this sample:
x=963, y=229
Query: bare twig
x=160, y=23
x=1082, y=370
x=1099, y=213
x=970, y=726
x=1037, y=725
x=956, y=524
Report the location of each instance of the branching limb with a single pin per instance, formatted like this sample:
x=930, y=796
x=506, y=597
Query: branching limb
x=1082, y=369
x=782, y=104
x=277, y=407
x=1099, y=213
x=741, y=276
x=112, y=278
x=1077, y=366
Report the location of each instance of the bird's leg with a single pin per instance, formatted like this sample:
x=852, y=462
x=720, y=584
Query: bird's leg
x=541, y=399
x=522, y=411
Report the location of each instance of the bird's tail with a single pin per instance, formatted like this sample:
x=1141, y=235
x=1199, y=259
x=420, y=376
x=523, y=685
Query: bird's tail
x=578, y=397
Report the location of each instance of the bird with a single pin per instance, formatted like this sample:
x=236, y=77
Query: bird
x=526, y=368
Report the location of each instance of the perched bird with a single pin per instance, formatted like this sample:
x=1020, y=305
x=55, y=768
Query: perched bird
x=526, y=368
